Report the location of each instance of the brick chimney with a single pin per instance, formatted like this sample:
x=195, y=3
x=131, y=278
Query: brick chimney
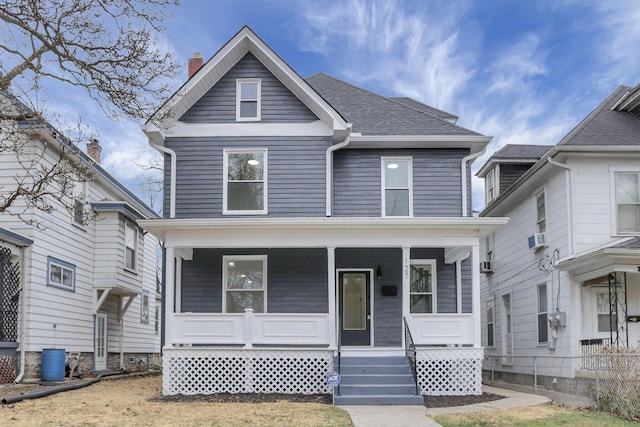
x=94, y=150
x=195, y=63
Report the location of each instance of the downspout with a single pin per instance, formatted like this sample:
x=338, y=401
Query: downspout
x=172, y=191
x=23, y=321
x=569, y=203
x=465, y=160
x=329, y=172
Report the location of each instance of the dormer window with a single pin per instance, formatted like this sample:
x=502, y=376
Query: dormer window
x=248, y=103
x=491, y=185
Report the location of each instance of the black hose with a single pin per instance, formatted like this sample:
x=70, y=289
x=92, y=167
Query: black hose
x=58, y=388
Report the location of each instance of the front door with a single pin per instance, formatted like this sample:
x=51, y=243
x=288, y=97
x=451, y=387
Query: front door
x=355, y=308
x=100, y=349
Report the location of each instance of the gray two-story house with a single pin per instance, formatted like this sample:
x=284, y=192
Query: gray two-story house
x=312, y=226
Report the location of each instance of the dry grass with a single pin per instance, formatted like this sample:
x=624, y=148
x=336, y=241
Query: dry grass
x=128, y=402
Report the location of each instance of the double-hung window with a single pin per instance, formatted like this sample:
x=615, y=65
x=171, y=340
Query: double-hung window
x=491, y=185
x=245, y=283
x=543, y=334
x=61, y=274
x=144, y=308
x=541, y=215
x=490, y=324
x=397, y=192
x=628, y=202
x=245, y=181
x=248, y=102
x=130, y=246
x=422, y=286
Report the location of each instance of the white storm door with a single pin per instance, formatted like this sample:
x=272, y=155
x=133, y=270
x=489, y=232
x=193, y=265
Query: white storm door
x=100, y=346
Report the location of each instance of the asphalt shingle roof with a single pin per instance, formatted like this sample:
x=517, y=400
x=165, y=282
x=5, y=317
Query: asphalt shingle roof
x=629, y=244
x=427, y=109
x=521, y=151
x=373, y=114
x=604, y=126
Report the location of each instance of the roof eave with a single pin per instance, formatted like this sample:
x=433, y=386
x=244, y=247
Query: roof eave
x=474, y=142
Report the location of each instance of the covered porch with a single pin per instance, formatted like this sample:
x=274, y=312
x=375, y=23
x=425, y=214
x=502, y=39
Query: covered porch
x=267, y=304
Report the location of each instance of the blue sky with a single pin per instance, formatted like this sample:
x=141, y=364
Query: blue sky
x=523, y=72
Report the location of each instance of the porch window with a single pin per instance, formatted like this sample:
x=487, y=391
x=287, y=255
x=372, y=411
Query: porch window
x=397, y=193
x=543, y=333
x=607, y=321
x=245, y=283
x=541, y=216
x=245, y=181
x=490, y=324
x=422, y=286
x=61, y=274
x=248, y=103
x=628, y=202
x=130, y=246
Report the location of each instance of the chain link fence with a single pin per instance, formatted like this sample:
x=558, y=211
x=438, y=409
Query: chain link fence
x=608, y=381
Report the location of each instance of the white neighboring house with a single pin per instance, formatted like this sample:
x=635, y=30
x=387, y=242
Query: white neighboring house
x=86, y=286
x=562, y=278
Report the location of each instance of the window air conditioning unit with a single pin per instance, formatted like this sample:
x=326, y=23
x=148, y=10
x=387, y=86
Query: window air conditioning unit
x=486, y=267
x=536, y=241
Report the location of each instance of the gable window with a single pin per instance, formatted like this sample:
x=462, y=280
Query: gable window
x=490, y=324
x=491, y=186
x=541, y=220
x=144, y=308
x=248, y=104
x=79, y=202
x=397, y=193
x=130, y=246
x=422, y=298
x=543, y=332
x=245, y=181
x=628, y=201
x=61, y=274
x=245, y=283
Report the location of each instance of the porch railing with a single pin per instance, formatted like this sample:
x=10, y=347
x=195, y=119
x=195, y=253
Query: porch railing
x=590, y=348
x=410, y=351
x=442, y=328
x=249, y=329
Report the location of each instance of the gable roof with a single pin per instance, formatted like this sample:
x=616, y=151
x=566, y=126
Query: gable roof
x=373, y=114
x=609, y=128
x=30, y=122
x=245, y=41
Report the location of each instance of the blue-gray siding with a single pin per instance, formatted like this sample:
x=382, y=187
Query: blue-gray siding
x=278, y=104
x=296, y=280
x=295, y=175
x=387, y=310
x=436, y=181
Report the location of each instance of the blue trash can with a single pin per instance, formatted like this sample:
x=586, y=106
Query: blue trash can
x=53, y=360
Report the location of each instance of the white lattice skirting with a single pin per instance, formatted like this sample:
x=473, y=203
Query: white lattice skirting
x=191, y=371
x=449, y=371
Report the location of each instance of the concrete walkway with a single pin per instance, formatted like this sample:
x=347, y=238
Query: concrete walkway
x=418, y=416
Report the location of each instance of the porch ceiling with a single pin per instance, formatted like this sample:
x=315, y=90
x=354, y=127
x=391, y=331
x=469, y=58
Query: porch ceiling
x=322, y=232
x=602, y=262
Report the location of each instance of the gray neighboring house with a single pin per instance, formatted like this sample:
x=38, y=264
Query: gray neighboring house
x=561, y=281
x=312, y=226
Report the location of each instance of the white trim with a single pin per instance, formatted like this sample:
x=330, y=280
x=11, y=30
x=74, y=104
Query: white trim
x=542, y=191
x=258, y=100
x=538, y=312
x=172, y=186
x=133, y=226
x=371, y=300
x=406, y=286
x=333, y=301
x=409, y=161
x=434, y=284
x=225, y=260
x=492, y=303
x=225, y=180
x=103, y=360
x=491, y=179
x=476, y=303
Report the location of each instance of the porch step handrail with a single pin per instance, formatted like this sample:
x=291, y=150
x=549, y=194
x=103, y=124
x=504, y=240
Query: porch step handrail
x=410, y=352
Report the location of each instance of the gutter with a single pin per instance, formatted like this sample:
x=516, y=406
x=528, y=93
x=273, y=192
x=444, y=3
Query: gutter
x=463, y=167
x=172, y=191
x=569, y=202
x=23, y=321
x=329, y=172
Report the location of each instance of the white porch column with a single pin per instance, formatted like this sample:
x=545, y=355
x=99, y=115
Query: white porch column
x=248, y=327
x=406, y=286
x=475, y=294
x=331, y=289
x=169, y=297
x=178, y=278
x=459, y=286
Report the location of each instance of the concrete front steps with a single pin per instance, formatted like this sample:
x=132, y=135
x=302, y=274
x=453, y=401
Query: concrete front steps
x=376, y=381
